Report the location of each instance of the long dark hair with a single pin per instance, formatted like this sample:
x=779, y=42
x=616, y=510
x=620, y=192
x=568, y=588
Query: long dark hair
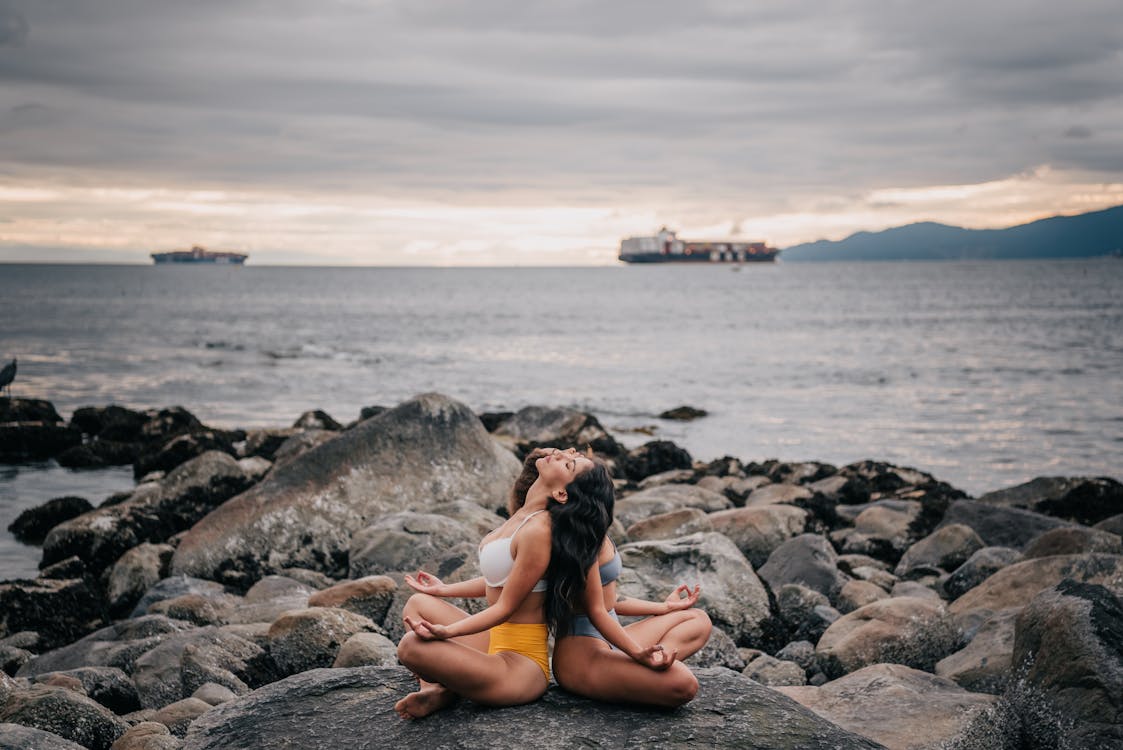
x=578, y=529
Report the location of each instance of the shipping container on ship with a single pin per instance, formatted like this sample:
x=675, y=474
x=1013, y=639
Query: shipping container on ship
x=666, y=247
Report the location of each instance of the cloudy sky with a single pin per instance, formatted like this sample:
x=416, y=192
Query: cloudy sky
x=516, y=132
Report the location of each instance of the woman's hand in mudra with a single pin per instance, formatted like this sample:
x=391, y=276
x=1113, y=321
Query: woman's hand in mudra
x=656, y=657
x=427, y=631
x=426, y=583
x=683, y=597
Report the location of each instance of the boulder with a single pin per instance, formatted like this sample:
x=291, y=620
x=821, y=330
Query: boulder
x=736, y=488
x=422, y=453
x=946, y=548
x=534, y=426
x=214, y=694
x=117, y=645
x=979, y=566
x=808, y=559
x=774, y=672
x=266, y=443
x=300, y=443
x=147, y=735
x=720, y=651
x=316, y=420
x=109, y=686
x=773, y=494
x=905, y=630
x=409, y=541
x=65, y=713
x=60, y=611
x=1085, y=500
x=180, y=663
x=28, y=410
x=182, y=449
x=255, y=467
x=673, y=476
x=856, y=594
x=1074, y=540
x=634, y=508
x=268, y=599
x=177, y=717
x=175, y=587
x=134, y=573
x=353, y=705
x=367, y=650
x=35, y=441
x=840, y=488
x=883, y=528
x=309, y=638
x=1113, y=525
x=1015, y=585
x=670, y=525
x=683, y=414
x=758, y=531
x=369, y=597
x=153, y=513
x=112, y=422
x=19, y=737
x=732, y=595
x=900, y=707
x=654, y=457
x=31, y=526
x=984, y=664
x=801, y=652
x=998, y=526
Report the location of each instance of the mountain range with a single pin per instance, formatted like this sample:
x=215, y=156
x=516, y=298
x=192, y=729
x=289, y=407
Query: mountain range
x=1084, y=235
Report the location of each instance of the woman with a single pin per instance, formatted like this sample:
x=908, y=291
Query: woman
x=498, y=656
x=594, y=655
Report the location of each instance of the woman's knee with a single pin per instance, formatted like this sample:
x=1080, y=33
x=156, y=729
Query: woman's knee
x=701, y=620
x=416, y=604
x=682, y=687
x=409, y=648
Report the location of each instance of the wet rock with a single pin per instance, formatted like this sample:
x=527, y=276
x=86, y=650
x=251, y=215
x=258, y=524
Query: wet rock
x=71, y=567
x=857, y=594
x=654, y=457
x=147, y=735
x=28, y=410
x=666, y=498
x=316, y=420
x=808, y=559
x=18, y=737
x=35, y=441
x=894, y=705
x=670, y=525
x=1015, y=585
x=370, y=597
x=805, y=613
x=422, y=453
x=946, y=548
x=134, y=573
x=758, y=531
x=906, y=630
x=367, y=650
x=32, y=525
x=534, y=426
x=1085, y=500
x=1074, y=540
x=774, y=672
x=408, y=541
x=490, y=419
x=683, y=414
x=153, y=513
x=1000, y=527
x=309, y=638
x=730, y=711
x=109, y=686
x=113, y=422
x=979, y=566
x=60, y=611
x=65, y=713
x=984, y=664
x=177, y=717
x=732, y=595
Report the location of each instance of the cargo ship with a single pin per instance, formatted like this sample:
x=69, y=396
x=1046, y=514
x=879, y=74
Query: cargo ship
x=665, y=247
x=199, y=255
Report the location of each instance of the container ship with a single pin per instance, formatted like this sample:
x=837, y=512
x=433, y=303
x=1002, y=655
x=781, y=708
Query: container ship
x=199, y=255
x=665, y=247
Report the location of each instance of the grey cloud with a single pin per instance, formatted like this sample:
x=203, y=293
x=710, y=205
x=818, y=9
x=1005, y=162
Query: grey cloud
x=13, y=28
x=1078, y=131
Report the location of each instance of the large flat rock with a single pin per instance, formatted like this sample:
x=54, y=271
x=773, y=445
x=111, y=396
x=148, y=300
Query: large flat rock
x=352, y=709
x=426, y=451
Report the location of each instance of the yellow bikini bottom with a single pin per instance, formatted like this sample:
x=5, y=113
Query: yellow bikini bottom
x=526, y=638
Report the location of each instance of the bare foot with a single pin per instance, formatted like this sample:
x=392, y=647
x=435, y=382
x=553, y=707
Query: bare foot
x=424, y=702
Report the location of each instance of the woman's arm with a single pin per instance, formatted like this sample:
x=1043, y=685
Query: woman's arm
x=683, y=597
x=531, y=561
x=430, y=584
x=652, y=656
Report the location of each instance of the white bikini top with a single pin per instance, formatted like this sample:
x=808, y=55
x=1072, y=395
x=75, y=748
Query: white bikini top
x=496, y=561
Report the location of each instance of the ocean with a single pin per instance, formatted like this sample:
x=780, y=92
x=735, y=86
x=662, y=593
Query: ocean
x=985, y=374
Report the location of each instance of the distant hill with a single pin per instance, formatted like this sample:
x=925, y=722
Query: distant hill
x=1086, y=235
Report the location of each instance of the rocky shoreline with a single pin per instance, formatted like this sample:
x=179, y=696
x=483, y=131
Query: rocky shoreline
x=248, y=591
